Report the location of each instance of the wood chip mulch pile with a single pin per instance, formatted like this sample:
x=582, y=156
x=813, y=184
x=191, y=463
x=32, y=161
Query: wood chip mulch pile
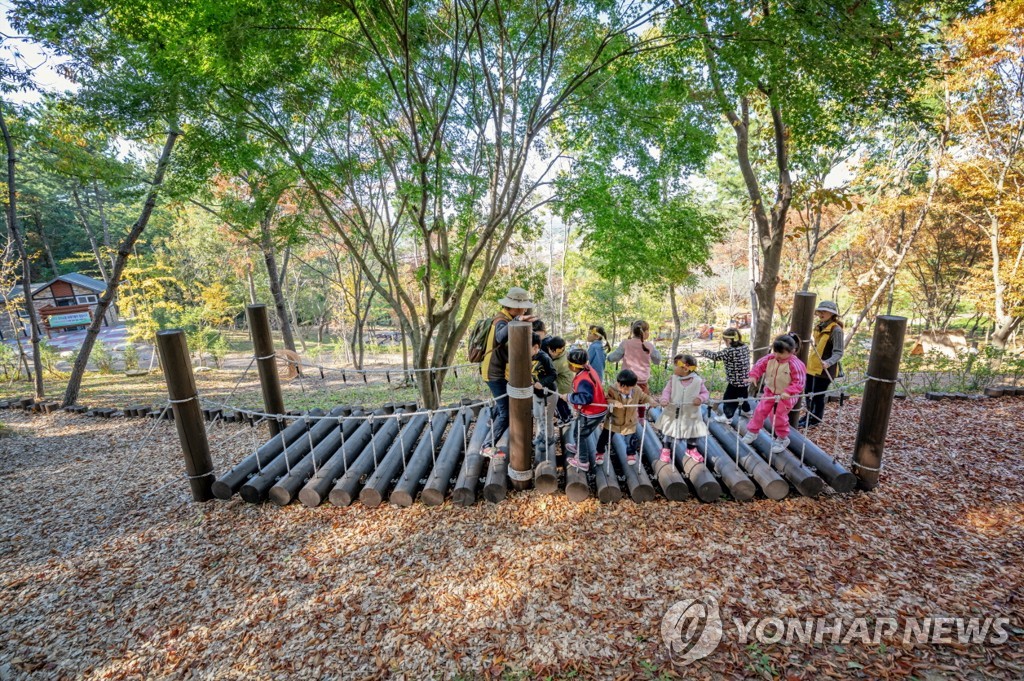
x=108, y=571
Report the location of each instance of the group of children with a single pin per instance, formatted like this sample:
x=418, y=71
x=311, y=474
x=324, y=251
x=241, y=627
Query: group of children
x=570, y=390
x=574, y=380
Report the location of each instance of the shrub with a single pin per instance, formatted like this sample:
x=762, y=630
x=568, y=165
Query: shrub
x=103, y=358
x=131, y=357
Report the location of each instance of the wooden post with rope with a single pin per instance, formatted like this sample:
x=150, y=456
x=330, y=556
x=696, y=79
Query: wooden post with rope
x=520, y=404
x=266, y=362
x=188, y=417
x=876, y=406
x=802, y=324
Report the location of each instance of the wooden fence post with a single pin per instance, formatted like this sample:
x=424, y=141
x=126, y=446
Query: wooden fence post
x=520, y=404
x=875, y=409
x=266, y=361
x=802, y=324
x=188, y=417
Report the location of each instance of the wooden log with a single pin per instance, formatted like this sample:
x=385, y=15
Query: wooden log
x=876, y=405
x=830, y=470
x=377, y=485
x=770, y=482
x=637, y=481
x=346, y=488
x=520, y=407
x=577, y=487
x=256, y=487
x=802, y=324
x=421, y=461
x=496, y=483
x=995, y=391
x=181, y=389
x=266, y=363
x=285, y=489
x=806, y=482
x=232, y=481
x=608, y=490
x=669, y=479
x=319, y=486
x=703, y=481
x=736, y=481
x=464, y=493
x=545, y=473
x=454, y=447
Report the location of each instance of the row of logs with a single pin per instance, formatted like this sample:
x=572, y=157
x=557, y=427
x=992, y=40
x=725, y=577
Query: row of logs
x=399, y=454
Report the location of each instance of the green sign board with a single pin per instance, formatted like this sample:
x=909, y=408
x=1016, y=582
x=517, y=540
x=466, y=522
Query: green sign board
x=70, y=319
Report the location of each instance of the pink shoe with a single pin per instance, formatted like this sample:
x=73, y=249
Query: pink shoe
x=577, y=464
x=570, y=448
x=666, y=455
x=631, y=459
x=599, y=458
x=695, y=455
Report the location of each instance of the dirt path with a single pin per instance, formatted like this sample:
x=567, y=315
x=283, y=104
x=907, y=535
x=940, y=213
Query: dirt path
x=108, y=571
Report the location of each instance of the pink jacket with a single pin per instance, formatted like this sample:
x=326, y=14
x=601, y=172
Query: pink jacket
x=631, y=353
x=797, y=374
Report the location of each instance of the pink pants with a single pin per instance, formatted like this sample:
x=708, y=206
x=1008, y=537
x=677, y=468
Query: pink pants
x=780, y=422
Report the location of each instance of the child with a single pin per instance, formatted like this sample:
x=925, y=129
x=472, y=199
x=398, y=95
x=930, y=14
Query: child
x=736, y=357
x=555, y=347
x=682, y=397
x=597, y=352
x=823, y=361
x=637, y=353
x=587, y=398
x=784, y=377
x=545, y=383
x=540, y=328
x=624, y=399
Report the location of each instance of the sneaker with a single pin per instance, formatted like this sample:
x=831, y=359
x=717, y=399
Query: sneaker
x=570, y=448
x=721, y=418
x=695, y=455
x=780, y=445
x=801, y=424
x=749, y=437
x=631, y=459
x=577, y=464
x=488, y=451
x=599, y=458
x=666, y=455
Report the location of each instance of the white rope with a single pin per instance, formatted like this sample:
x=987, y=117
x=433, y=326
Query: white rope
x=520, y=476
x=311, y=417
x=519, y=393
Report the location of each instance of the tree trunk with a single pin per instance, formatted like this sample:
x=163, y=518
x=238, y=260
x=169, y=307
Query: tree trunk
x=1003, y=332
x=677, y=324
x=270, y=259
x=19, y=244
x=251, y=281
x=123, y=251
x=46, y=244
x=103, y=220
x=84, y=219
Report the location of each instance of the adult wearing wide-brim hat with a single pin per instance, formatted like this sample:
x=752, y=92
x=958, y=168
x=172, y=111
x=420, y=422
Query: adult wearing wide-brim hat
x=494, y=367
x=822, y=361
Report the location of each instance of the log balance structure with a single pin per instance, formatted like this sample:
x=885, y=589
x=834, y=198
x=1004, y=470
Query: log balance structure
x=397, y=453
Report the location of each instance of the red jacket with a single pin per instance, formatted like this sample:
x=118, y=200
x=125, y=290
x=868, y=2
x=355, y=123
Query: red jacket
x=587, y=394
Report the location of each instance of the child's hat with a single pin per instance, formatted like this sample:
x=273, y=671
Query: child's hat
x=732, y=333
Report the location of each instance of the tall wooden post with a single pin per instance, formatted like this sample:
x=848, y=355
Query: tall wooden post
x=802, y=324
x=520, y=404
x=883, y=370
x=266, y=361
x=188, y=417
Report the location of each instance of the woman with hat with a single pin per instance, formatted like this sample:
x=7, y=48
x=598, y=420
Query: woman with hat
x=822, y=361
x=494, y=367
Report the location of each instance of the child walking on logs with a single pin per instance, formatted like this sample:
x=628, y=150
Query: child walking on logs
x=588, y=400
x=545, y=384
x=597, y=351
x=784, y=378
x=555, y=347
x=682, y=398
x=736, y=357
x=624, y=399
x=637, y=353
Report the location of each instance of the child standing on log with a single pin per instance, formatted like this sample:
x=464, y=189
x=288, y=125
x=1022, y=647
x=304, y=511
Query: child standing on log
x=555, y=347
x=736, y=357
x=784, y=378
x=597, y=351
x=637, y=353
x=588, y=400
x=545, y=384
x=682, y=398
x=624, y=399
